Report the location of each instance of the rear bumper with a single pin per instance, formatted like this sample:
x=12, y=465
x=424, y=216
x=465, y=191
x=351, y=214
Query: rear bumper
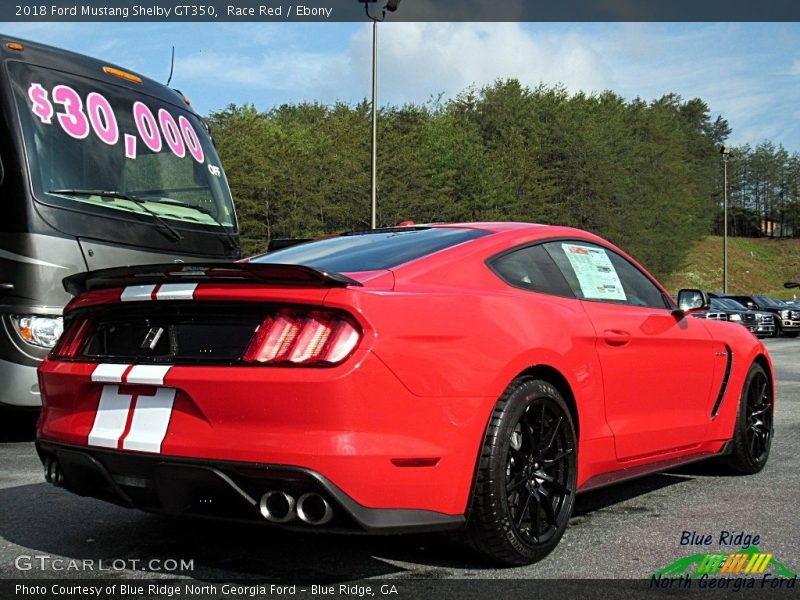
x=220, y=489
x=356, y=425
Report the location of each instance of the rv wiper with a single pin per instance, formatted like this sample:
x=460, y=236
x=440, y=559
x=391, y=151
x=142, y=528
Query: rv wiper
x=177, y=237
x=201, y=209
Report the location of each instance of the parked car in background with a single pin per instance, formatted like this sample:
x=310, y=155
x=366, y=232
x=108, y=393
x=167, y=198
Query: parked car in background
x=474, y=376
x=758, y=322
x=791, y=285
x=787, y=319
x=713, y=313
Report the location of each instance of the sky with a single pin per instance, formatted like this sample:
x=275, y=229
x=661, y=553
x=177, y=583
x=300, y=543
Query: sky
x=747, y=72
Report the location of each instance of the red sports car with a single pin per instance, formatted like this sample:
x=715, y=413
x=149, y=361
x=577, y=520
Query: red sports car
x=472, y=376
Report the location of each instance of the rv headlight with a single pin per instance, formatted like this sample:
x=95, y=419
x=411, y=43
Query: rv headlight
x=39, y=330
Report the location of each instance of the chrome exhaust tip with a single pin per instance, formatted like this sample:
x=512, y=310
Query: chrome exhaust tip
x=277, y=507
x=313, y=509
x=52, y=472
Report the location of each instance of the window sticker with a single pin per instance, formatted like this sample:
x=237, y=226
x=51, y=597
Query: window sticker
x=596, y=275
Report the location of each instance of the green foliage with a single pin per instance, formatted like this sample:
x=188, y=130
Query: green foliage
x=763, y=192
x=755, y=265
x=641, y=174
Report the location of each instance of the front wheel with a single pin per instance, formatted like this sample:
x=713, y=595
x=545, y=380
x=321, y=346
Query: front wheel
x=752, y=436
x=525, y=484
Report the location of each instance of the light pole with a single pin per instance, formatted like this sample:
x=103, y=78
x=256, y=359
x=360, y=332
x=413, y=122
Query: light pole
x=725, y=155
x=391, y=6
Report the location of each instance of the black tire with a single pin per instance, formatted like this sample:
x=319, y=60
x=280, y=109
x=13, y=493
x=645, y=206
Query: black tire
x=524, y=488
x=753, y=432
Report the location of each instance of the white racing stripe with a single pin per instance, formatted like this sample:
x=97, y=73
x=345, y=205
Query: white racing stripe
x=148, y=374
x=109, y=373
x=151, y=414
x=134, y=293
x=111, y=417
x=176, y=291
x=150, y=421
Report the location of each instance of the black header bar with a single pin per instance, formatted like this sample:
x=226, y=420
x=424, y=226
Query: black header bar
x=408, y=10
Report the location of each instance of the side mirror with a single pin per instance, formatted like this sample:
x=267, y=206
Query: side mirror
x=692, y=300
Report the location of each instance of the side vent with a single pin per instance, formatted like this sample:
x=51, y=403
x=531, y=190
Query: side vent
x=725, y=378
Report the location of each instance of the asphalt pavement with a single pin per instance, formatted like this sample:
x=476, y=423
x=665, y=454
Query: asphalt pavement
x=626, y=531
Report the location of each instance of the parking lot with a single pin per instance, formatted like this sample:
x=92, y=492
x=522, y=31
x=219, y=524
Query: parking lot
x=630, y=530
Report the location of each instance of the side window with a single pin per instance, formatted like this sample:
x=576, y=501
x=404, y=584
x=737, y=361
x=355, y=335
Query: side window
x=595, y=273
x=531, y=268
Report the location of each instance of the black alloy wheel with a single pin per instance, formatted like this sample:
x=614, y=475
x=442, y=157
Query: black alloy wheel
x=754, y=431
x=758, y=417
x=525, y=486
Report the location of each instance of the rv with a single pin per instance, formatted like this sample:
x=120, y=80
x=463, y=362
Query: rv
x=99, y=167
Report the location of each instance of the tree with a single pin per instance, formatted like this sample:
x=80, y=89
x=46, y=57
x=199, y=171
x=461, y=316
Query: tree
x=645, y=175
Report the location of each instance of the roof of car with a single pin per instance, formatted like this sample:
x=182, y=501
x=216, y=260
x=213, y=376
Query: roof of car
x=493, y=226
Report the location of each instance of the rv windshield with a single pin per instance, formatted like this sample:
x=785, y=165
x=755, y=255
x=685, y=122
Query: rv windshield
x=90, y=144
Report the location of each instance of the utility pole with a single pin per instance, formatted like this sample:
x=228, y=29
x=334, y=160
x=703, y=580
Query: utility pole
x=391, y=6
x=725, y=155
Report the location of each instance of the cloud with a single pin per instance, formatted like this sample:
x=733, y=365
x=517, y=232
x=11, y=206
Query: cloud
x=416, y=60
x=274, y=70
x=749, y=73
x=420, y=59
x=742, y=72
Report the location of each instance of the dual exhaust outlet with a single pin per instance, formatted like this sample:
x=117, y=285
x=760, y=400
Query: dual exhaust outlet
x=53, y=472
x=279, y=507
x=275, y=506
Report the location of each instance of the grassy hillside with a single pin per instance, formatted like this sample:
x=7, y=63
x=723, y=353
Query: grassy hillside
x=754, y=266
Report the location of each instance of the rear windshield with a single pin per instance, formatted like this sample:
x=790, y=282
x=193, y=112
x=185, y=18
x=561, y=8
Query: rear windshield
x=371, y=251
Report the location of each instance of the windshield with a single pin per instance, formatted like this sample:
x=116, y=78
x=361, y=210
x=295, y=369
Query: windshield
x=83, y=137
x=371, y=251
x=730, y=303
x=766, y=301
x=716, y=304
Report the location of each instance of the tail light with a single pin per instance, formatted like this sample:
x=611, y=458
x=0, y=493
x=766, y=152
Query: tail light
x=72, y=339
x=303, y=338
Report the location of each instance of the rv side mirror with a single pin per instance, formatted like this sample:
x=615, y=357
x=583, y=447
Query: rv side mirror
x=692, y=300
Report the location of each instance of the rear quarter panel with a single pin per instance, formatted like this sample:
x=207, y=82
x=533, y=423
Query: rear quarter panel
x=460, y=341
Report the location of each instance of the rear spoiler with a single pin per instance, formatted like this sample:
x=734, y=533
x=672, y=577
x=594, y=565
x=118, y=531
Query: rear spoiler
x=242, y=272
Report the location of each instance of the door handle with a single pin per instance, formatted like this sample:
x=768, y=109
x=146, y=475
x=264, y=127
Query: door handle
x=616, y=337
